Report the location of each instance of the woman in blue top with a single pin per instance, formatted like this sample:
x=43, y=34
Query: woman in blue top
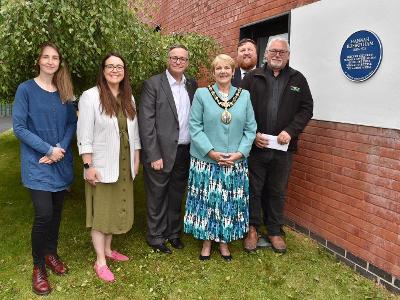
x=45, y=122
x=222, y=129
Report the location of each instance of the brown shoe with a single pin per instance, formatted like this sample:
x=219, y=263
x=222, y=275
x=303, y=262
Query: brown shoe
x=40, y=284
x=250, y=243
x=56, y=265
x=278, y=244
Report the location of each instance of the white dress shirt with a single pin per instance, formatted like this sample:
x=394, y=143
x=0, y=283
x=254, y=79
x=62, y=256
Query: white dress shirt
x=243, y=72
x=182, y=103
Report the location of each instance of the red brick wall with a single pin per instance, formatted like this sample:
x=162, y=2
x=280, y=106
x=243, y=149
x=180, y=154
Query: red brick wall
x=345, y=183
x=220, y=19
x=345, y=186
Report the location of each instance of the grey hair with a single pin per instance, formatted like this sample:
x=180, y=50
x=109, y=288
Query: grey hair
x=278, y=39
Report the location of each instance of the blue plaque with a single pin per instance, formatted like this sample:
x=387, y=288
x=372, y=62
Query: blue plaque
x=361, y=55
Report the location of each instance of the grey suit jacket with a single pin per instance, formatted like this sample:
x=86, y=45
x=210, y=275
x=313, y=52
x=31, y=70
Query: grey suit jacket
x=158, y=120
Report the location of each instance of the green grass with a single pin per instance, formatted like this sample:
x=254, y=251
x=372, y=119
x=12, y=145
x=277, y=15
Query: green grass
x=307, y=271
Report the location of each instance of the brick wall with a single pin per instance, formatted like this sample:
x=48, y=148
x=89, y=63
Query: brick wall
x=220, y=19
x=344, y=190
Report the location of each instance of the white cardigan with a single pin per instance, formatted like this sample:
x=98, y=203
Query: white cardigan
x=98, y=134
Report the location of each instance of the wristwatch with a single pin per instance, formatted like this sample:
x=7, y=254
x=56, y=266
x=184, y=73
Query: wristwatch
x=87, y=166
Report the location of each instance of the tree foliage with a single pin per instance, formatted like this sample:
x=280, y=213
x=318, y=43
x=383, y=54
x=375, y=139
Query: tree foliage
x=85, y=31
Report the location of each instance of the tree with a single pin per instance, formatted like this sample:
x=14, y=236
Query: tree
x=85, y=31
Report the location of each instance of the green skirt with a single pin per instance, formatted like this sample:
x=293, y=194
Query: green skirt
x=109, y=206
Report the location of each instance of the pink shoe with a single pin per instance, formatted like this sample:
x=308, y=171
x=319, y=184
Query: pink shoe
x=117, y=256
x=104, y=273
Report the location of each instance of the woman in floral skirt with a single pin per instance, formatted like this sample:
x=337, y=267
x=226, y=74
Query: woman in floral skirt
x=222, y=129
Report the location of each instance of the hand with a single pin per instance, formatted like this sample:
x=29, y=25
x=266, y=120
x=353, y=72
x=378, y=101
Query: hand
x=284, y=138
x=260, y=141
x=92, y=176
x=137, y=161
x=45, y=160
x=58, y=154
x=157, y=165
x=232, y=158
x=217, y=156
x=224, y=159
x=136, y=167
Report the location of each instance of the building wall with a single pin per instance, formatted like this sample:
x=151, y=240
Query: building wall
x=316, y=51
x=344, y=190
x=220, y=19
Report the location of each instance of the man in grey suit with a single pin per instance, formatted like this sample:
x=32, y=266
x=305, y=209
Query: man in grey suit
x=164, y=131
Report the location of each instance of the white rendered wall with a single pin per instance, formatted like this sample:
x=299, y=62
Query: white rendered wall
x=317, y=34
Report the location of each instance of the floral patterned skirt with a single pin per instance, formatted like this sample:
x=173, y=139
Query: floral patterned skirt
x=217, y=205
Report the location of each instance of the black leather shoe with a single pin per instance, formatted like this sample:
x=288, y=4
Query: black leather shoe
x=161, y=248
x=204, y=257
x=226, y=257
x=176, y=243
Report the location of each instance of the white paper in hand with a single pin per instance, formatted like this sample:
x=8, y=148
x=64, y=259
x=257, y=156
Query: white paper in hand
x=273, y=142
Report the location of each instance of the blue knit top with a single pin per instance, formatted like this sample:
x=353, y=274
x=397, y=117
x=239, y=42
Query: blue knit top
x=41, y=121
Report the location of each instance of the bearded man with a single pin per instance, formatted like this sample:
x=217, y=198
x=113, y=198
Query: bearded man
x=246, y=60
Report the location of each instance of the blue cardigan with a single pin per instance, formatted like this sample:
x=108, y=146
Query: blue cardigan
x=207, y=131
x=41, y=121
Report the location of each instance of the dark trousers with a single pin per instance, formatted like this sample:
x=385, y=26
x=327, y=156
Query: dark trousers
x=48, y=207
x=268, y=173
x=164, y=192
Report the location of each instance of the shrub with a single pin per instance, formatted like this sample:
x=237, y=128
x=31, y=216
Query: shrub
x=85, y=31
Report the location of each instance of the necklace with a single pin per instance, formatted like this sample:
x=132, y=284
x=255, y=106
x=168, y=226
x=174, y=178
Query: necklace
x=226, y=116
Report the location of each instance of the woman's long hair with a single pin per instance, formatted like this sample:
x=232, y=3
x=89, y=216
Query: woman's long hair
x=108, y=102
x=62, y=77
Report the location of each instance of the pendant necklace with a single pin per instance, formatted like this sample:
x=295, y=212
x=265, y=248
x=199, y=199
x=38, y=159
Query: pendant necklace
x=226, y=116
x=222, y=101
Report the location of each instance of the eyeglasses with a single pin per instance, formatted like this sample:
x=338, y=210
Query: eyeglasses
x=276, y=51
x=176, y=58
x=119, y=68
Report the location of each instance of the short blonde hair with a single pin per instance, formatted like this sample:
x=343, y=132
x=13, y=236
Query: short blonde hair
x=225, y=59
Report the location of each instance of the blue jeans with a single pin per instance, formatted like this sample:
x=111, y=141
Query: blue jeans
x=268, y=174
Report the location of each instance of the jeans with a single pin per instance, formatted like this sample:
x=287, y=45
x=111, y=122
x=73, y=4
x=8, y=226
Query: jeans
x=48, y=207
x=268, y=175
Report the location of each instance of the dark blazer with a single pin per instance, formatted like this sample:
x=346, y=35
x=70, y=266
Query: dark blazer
x=295, y=105
x=237, y=78
x=158, y=120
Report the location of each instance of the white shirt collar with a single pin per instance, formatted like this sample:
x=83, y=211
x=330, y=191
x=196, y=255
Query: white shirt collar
x=245, y=71
x=172, y=80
